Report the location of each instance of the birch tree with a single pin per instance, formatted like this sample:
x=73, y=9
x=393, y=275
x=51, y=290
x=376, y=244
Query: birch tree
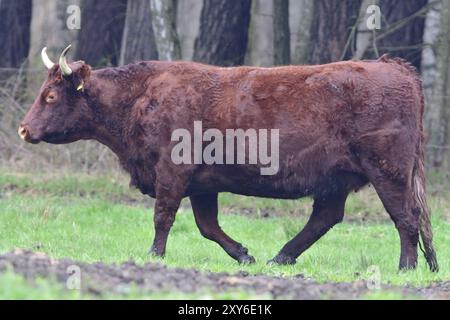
x=365, y=36
x=164, y=13
x=435, y=59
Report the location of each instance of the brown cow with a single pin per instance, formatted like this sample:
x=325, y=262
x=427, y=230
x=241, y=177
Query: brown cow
x=341, y=126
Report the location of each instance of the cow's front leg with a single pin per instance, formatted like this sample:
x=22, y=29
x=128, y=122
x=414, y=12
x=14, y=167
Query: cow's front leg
x=165, y=211
x=168, y=199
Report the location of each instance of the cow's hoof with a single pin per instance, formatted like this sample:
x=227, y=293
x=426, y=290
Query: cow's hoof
x=246, y=259
x=281, y=259
x=407, y=267
x=153, y=252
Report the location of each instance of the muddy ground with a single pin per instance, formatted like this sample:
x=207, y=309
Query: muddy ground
x=99, y=278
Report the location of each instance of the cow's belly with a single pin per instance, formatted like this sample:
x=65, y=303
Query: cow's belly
x=299, y=177
x=278, y=187
x=248, y=181
x=271, y=191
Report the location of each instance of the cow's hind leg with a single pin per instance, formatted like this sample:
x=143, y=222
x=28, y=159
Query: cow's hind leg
x=388, y=162
x=205, y=211
x=327, y=211
x=397, y=198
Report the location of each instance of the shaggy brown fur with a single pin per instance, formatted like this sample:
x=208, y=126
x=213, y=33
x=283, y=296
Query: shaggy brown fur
x=342, y=126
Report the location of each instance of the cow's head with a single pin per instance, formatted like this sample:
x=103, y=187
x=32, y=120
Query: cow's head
x=60, y=113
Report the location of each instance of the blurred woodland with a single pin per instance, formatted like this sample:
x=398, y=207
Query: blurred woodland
x=219, y=32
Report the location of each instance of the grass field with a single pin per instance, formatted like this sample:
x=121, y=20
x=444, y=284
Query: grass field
x=90, y=218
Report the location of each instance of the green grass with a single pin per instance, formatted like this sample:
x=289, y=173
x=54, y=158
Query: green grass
x=13, y=287
x=47, y=214
x=62, y=184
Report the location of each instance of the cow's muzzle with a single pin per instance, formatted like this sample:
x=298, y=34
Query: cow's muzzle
x=25, y=135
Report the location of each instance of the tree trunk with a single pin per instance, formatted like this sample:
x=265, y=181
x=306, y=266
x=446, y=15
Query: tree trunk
x=164, y=14
x=281, y=33
x=188, y=25
x=138, y=42
x=406, y=40
x=364, y=35
x=260, y=34
x=331, y=28
x=431, y=35
x=300, y=20
x=100, y=37
x=223, y=33
x=436, y=82
x=48, y=29
x=15, y=18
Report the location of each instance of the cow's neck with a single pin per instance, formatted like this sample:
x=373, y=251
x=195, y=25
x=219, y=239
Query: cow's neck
x=112, y=105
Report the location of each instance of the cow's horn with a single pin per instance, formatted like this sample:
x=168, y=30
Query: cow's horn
x=45, y=59
x=65, y=69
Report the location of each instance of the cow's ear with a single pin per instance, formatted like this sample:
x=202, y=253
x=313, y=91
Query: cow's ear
x=80, y=75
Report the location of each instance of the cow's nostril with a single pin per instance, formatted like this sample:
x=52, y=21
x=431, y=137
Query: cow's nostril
x=23, y=132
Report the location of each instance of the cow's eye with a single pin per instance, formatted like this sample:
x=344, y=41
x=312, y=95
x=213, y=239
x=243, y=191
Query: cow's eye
x=50, y=98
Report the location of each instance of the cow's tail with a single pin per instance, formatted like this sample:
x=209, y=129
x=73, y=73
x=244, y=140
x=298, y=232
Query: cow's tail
x=426, y=233
x=419, y=190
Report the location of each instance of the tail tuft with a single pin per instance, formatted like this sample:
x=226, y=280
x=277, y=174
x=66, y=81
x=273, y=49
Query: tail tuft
x=426, y=233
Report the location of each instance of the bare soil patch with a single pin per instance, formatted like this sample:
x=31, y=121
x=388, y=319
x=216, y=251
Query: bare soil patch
x=100, y=278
